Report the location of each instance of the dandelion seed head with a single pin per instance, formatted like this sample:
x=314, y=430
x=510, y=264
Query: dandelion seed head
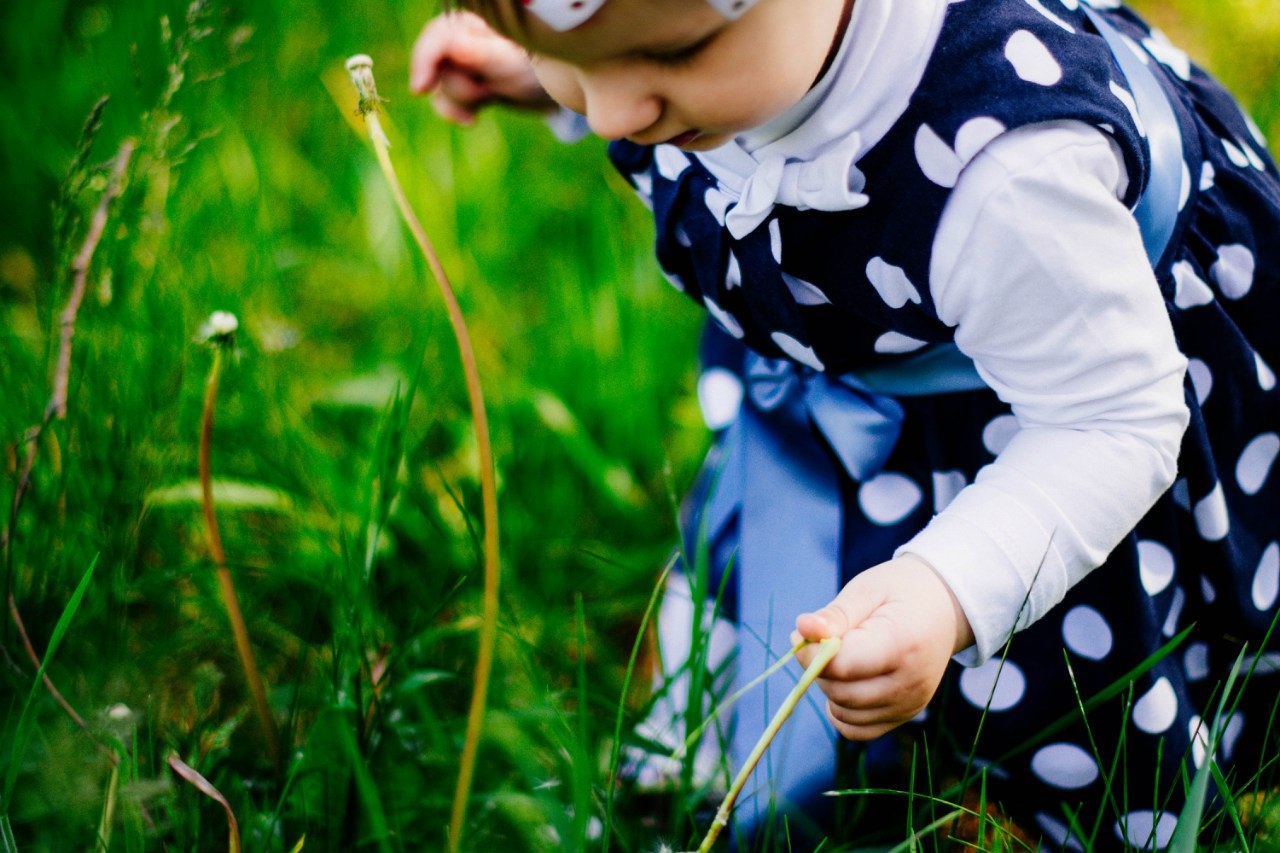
x=220, y=329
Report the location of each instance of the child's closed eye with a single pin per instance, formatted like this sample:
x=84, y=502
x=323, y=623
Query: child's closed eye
x=680, y=56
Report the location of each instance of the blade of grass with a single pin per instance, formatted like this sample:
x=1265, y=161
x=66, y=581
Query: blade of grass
x=206, y=787
x=616, y=751
x=1187, y=831
x=21, y=731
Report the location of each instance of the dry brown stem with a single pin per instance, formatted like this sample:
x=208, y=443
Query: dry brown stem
x=57, y=407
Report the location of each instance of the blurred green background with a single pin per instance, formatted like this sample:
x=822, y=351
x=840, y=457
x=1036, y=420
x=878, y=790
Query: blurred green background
x=351, y=530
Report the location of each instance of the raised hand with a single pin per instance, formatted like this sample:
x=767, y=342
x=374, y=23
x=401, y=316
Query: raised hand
x=465, y=65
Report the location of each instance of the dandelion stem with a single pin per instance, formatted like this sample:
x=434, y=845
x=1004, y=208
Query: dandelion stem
x=826, y=651
x=361, y=68
x=229, y=598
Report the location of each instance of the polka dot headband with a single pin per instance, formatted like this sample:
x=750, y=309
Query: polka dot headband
x=563, y=15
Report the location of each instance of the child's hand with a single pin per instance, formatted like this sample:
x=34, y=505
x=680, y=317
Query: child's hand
x=900, y=624
x=465, y=65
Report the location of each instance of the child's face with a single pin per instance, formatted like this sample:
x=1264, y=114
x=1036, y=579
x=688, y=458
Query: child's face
x=676, y=71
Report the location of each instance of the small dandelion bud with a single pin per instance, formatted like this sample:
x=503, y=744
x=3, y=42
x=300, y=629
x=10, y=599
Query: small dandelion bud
x=219, y=329
x=360, y=67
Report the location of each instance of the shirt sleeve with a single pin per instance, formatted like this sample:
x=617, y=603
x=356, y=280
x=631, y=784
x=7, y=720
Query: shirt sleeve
x=1042, y=271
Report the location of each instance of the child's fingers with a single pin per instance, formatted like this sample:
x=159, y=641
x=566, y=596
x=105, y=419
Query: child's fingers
x=866, y=652
x=449, y=38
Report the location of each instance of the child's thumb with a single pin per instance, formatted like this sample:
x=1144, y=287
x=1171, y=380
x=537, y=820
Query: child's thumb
x=845, y=612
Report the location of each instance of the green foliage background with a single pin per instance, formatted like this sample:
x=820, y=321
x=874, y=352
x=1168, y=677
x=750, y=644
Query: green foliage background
x=254, y=191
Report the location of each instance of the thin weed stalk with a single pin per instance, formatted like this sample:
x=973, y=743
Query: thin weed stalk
x=222, y=340
x=827, y=650
x=57, y=406
x=361, y=69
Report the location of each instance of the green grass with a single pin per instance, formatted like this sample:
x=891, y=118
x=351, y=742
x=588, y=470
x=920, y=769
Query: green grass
x=348, y=505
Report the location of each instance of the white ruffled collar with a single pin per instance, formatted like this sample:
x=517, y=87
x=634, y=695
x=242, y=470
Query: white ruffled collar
x=806, y=157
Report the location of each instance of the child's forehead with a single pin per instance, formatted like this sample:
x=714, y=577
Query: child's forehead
x=616, y=26
x=564, y=15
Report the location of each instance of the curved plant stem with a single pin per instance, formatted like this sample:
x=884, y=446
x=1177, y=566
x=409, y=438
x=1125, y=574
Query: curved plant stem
x=227, y=585
x=826, y=651
x=361, y=68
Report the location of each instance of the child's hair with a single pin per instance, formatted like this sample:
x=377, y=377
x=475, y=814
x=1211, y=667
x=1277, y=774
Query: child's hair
x=488, y=9
x=491, y=10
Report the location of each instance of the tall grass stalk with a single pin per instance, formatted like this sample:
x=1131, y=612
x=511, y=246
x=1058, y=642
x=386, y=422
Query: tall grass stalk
x=361, y=69
x=222, y=338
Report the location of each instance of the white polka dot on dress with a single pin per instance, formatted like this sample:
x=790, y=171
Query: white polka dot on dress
x=946, y=485
x=1175, y=611
x=896, y=342
x=1058, y=832
x=1199, y=733
x=1256, y=462
x=998, y=432
x=891, y=283
x=1086, y=632
x=936, y=159
x=1064, y=765
x=1266, y=376
x=1031, y=60
x=1168, y=54
x=1157, y=709
x=775, y=240
x=995, y=685
x=1195, y=662
x=1266, y=578
x=719, y=396
x=1181, y=494
x=803, y=292
x=1201, y=379
x=888, y=498
x=1040, y=7
x=974, y=135
x=1234, y=154
x=1233, y=271
x=1146, y=830
x=644, y=187
x=1207, y=592
x=1125, y=97
x=671, y=161
x=1211, y=516
x=733, y=273
x=1208, y=176
x=1231, y=734
x=1254, y=160
x=724, y=318
x=1190, y=290
x=1155, y=566
x=798, y=351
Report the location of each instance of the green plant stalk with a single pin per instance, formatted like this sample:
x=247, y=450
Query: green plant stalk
x=229, y=598
x=827, y=650
x=361, y=68
x=108, y=812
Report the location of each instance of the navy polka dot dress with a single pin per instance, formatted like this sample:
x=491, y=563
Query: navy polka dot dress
x=1197, y=582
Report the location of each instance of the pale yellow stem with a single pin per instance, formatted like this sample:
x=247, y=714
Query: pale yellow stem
x=826, y=651
x=361, y=68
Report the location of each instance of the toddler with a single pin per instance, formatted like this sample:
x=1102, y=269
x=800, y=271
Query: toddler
x=993, y=290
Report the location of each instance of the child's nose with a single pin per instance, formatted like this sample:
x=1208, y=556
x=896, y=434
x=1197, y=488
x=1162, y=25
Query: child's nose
x=619, y=104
